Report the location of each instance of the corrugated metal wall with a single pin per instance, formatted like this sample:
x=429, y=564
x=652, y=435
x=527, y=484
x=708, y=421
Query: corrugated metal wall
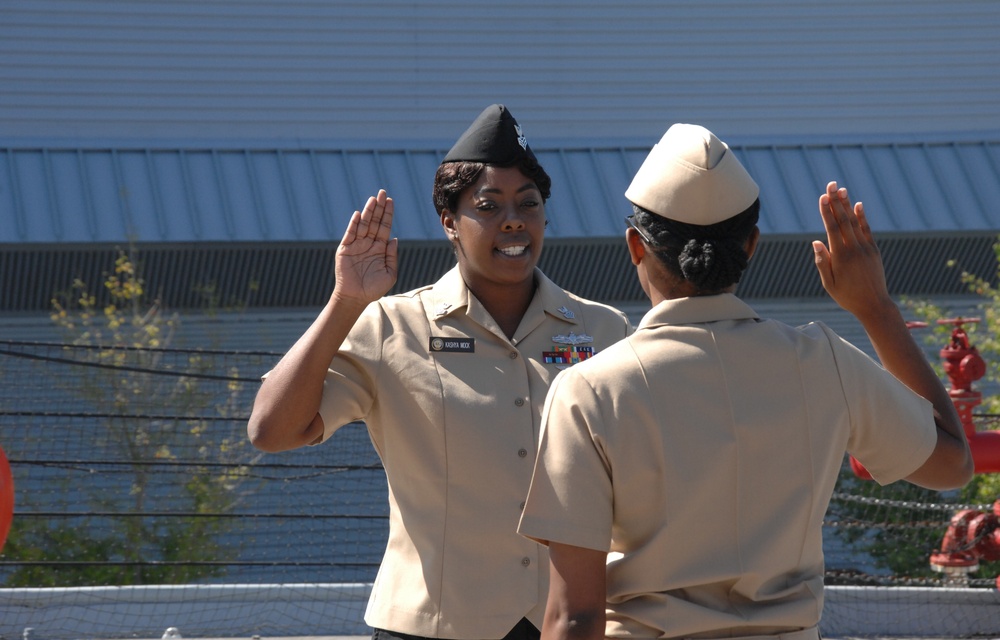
x=294, y=275
x=394, y=70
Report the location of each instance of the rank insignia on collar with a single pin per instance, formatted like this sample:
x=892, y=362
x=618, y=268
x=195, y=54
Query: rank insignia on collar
x=443, y=308
x=569, y=315
x=572, y=339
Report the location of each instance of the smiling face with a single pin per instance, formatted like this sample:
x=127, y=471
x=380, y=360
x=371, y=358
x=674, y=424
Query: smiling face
x=497, y=230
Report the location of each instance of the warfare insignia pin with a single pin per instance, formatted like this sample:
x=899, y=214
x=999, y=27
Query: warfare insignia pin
x=572, y=339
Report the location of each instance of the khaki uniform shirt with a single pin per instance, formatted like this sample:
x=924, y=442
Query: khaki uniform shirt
x=454, y=410
x=702, y=452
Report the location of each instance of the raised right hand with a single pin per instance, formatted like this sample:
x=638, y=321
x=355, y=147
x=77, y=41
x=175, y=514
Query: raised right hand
x=850, y=265
x=286, y=410
x=366, y=259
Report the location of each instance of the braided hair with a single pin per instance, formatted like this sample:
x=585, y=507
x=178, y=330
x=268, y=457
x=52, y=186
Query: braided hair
x=711, y=257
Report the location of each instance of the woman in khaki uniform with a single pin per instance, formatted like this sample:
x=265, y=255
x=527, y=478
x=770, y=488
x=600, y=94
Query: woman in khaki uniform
x=450, y=380
x=703, y=450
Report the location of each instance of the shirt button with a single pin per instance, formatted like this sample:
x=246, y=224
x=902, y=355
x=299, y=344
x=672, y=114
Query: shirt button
x=525, y=562
x=522, y=453
x=513, y=355
x=519, y=402
x=522, y=506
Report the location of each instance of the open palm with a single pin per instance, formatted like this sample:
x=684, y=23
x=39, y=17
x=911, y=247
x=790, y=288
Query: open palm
x=366, y=259
x=850, y=265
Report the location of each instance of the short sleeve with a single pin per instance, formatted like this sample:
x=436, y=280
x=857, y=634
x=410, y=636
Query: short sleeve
x=570, y=498
x=892, y=428
x=350, y=387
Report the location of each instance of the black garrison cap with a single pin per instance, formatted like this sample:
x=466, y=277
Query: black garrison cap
x=493, y=138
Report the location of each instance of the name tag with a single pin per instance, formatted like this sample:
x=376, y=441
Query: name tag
x=455, y=345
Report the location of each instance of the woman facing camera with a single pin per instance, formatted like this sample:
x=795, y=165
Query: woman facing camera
x=450, y=380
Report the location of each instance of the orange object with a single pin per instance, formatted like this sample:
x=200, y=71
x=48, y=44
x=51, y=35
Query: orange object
x=6, y=498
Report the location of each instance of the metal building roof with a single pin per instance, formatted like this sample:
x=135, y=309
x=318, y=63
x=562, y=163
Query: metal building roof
x=194, y=195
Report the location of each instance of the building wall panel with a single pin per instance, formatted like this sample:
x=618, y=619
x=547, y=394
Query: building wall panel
x=392, y=71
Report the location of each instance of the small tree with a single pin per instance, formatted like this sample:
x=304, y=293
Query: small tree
x=126, y=340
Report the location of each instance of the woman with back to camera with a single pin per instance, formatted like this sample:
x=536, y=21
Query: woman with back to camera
x=450, y=379
x=702, y=451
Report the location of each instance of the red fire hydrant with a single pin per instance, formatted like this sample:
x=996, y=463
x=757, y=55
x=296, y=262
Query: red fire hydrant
x=963, y=365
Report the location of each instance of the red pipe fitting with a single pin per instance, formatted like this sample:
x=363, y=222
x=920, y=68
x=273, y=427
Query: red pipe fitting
x=971, y=536
x=956, y=553
x=983, y=534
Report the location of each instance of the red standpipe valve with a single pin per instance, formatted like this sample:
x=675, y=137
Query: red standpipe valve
x=971, y=536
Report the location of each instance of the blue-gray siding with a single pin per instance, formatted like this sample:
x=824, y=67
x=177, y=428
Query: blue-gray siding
x=397, y=70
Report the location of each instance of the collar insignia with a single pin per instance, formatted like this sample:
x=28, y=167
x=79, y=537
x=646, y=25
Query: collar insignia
x=569, y=315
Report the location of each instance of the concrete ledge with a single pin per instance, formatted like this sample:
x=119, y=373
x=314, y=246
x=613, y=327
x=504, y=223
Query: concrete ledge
x=328, y=610
x=198, y=611
x=911, y=611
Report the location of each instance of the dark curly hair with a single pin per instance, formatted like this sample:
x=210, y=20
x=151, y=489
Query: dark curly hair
x=711, y=257
x=452, y=178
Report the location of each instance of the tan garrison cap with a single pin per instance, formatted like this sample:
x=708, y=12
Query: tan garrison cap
x=691, y=176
